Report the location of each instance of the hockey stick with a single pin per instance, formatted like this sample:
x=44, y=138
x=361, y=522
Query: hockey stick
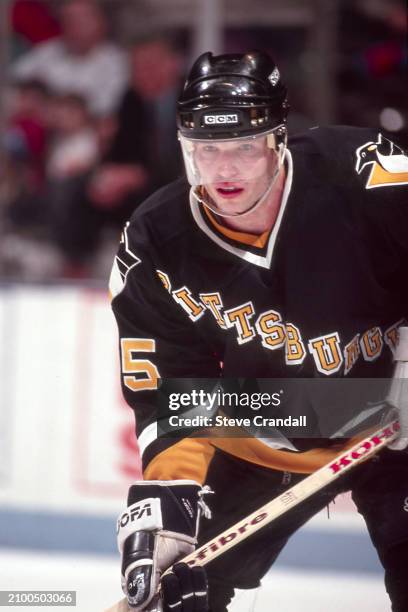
x=345, y=461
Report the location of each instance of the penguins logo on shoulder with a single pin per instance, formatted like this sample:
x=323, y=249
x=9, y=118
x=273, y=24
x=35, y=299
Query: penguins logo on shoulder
x=389, y=163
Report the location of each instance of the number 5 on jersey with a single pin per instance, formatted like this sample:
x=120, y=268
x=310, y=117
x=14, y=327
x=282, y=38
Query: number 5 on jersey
x=138, y=374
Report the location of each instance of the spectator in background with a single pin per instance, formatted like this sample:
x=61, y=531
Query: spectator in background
x=73, y=154
x=74, y=148
x=372, y=75
x=144, y=154
x=81, y=60
x=25, y=146
x=26, y=133
x=33, y=21
x=60, y=132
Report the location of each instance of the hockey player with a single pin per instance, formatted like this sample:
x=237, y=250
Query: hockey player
x=278, y=259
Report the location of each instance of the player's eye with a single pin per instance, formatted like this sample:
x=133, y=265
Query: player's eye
x=249, y=150
x=208, y=152
x=247, y=147
x=209, y=149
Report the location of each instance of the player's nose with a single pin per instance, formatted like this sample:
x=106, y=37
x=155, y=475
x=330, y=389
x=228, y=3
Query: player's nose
x=227, y=166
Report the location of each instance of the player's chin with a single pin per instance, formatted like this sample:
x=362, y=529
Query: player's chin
x=232, y=208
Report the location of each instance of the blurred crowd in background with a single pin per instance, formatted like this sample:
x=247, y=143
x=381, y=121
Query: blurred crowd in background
x=88, y=125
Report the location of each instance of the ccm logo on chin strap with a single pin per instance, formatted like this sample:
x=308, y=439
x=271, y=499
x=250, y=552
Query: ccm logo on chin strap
x=348, y=458
x=221, y=119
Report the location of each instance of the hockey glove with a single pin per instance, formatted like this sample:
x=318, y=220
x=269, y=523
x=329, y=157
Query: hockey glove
x=158, y=528
x=185, y=589
x=398, y=395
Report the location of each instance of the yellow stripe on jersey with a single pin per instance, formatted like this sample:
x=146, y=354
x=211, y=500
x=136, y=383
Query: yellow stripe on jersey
x=251, y=239
x=190, y=458
x=254, y=451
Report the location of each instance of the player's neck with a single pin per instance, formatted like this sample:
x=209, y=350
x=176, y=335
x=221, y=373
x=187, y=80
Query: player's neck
x=263, y=218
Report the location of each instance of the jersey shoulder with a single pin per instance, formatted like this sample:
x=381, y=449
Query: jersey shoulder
x=162, y=217
x=369, y=158
x=159, y=219
x=331, y=140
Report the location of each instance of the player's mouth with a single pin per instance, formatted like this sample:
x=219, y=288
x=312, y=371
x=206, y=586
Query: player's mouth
x=228, y=190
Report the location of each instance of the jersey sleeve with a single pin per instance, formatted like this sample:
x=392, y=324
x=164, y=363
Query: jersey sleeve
x=157, y=342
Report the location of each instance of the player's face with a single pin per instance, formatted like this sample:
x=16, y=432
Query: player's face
x=235, y=173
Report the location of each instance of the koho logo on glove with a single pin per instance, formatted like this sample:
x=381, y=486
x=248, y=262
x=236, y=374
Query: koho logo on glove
x=134, y=513
x=142, y=516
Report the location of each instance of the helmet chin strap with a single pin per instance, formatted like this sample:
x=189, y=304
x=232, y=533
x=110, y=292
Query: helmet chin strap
x=213, y=207
x=255, y=205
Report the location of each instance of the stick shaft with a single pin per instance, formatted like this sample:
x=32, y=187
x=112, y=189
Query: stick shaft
x=343, y=463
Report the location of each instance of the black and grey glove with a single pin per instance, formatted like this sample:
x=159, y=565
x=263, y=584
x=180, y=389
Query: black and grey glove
x=185, y=589
x=158, y=528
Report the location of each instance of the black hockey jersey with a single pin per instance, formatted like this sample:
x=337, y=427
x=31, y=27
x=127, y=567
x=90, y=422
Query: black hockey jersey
x=320, y=295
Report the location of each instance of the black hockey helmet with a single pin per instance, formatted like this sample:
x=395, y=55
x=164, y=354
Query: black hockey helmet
x=232, y=96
